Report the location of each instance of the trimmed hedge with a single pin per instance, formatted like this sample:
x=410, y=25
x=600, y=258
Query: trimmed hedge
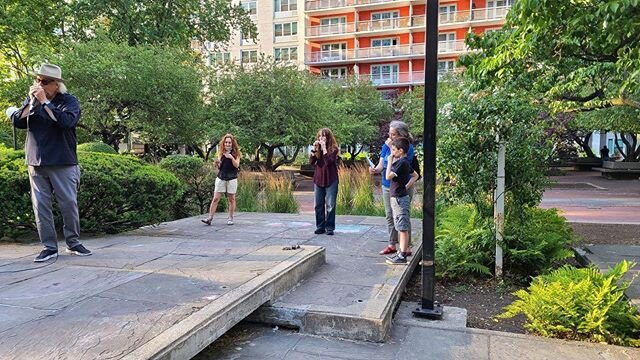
x=97, y=147
x=117, y=193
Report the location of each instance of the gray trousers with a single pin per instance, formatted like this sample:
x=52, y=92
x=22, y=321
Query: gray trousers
x=388, y=213
x=61, y=182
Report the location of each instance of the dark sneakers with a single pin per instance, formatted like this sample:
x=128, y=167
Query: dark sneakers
x=79, y=250
x=45, y=255
x=397, y=259
x=319, y=231
x=329, y=232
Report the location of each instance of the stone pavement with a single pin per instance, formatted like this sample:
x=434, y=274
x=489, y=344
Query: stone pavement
x=406, y=342
x=605, y=257
x=591, y=198
x=160, y=291
x=354, y=294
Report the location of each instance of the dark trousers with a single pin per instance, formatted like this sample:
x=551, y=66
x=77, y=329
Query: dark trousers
x=325, y=201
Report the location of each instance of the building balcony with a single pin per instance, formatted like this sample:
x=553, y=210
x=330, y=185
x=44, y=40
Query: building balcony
x=331, y=29
x=384, y=52
x=394, y=78
x=367, y=26
x=456, y=18
x=315, y=5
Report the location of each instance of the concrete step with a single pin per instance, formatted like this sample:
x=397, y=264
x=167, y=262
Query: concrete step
x=161, y=292
x=354, y=295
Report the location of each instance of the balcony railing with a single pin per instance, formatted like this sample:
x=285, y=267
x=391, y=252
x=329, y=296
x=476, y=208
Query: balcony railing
x=332, y=4
x=444, y=47
x=452, y=47
x=394, y=78
x=368, y=25
x=484, y=14
x=384, y=24
x=328, y=4
x=331, y=29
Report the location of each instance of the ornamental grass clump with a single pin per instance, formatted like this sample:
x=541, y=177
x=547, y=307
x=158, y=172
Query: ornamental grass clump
x=580, y=304
x=248, y=195
x=278, y=193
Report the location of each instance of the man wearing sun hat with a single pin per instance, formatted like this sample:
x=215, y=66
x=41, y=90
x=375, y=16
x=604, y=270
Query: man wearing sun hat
x=50, y=115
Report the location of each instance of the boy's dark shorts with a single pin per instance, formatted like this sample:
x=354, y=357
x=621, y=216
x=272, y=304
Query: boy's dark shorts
x=400, y=208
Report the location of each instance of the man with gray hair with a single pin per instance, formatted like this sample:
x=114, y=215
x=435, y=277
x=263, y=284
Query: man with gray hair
x=50, y=116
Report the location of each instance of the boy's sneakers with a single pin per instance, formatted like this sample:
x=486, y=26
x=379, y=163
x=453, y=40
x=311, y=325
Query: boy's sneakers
x=45, y=255
x=397, y=259
x=79, y=250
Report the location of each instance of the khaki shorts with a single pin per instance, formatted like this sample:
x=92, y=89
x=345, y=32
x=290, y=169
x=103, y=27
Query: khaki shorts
x=226, y=186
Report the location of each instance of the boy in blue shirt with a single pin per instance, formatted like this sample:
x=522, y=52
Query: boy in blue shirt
x=398, y=170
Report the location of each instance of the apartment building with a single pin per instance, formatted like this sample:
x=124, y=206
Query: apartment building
x=280, y=25
x=384, y=40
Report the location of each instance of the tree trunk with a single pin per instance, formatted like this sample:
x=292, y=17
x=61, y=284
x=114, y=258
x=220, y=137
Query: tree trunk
x=631, y=142
x=583, y=141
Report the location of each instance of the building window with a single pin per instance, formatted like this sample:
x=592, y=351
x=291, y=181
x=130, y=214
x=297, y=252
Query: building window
x=446, y=66
x=337, y=73
x=385, y=74
x=384, y=42
x=250, y=7
x=249, y=56
x=286, y=29
x=447, y=42
x=385, y=15
x=335, y=25
x=447, y=14
x=217, y=58
x=285, y=54
x=285, y=5
x=332, y=52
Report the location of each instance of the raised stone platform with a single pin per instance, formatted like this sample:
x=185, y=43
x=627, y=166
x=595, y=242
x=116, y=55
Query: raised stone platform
x=354, y=295
x=162, y=292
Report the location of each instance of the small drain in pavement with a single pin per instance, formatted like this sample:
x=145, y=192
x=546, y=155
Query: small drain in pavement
x=359, y=301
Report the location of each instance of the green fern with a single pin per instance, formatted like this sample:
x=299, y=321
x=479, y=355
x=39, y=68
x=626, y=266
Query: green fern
x=579, y=304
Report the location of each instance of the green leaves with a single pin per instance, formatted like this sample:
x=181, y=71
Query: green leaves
x=580, y=304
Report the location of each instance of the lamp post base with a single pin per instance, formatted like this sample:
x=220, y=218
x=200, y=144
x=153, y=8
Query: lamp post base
x=433, y=314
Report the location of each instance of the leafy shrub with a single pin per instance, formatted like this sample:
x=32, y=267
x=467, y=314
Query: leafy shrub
x=464, y=242
x=199, y=180
x=536, y=240
x=15, y=199
x=97, y=147
x=117, y=193
x=278, y=194
x=579, y=304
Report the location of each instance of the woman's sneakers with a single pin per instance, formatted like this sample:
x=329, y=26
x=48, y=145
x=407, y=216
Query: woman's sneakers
x=208, y=221
x=229, y=221
x=388, y=250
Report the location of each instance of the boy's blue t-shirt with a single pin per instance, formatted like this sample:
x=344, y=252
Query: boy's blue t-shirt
x=384, y=153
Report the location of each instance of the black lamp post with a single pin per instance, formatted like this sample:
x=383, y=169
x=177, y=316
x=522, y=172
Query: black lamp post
x=429, y=307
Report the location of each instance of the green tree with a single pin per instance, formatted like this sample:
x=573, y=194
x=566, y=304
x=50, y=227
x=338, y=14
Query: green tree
x=268, y=106
x=576, y=56
x=467, y=149
x=167, y=22
x=27, y=30
x=153, y=91
x=360, y=110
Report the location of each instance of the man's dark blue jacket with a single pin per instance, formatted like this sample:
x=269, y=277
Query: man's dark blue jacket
x=51, y=142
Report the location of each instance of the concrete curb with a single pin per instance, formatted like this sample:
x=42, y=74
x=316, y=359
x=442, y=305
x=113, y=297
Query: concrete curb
x=188, y=337
x=320, y=322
